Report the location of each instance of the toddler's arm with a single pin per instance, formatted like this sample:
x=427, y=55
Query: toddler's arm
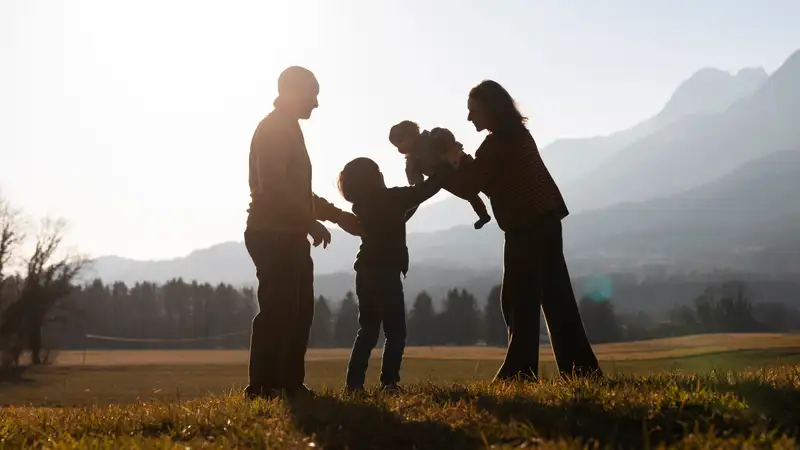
x=413, y=172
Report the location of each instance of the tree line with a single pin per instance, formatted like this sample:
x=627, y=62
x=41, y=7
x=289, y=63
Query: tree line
x=42, y=306
x=181, y=314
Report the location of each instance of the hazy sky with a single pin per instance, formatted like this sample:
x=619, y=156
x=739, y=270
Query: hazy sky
x=133, y=119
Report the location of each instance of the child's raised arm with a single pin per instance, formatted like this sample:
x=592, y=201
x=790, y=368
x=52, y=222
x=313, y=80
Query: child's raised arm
x=409, y=198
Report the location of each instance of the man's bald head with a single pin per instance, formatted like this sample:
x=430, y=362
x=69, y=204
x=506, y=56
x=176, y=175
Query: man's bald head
x=297, y=92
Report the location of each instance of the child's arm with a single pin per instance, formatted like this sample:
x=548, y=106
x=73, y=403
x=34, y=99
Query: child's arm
x=409, y=198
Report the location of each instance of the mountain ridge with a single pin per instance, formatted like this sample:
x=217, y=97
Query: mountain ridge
x=706, y=91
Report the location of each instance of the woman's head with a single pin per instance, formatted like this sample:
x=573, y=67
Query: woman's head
x=492, y=108
x=359, y=178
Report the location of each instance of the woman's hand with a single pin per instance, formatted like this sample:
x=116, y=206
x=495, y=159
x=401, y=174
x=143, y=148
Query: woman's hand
x=453, y=155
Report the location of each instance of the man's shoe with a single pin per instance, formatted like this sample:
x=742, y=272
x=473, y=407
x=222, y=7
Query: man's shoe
x=298, y=392
x=252, y=393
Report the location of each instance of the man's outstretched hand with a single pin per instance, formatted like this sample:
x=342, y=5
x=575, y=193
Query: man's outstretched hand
x=320, y=234
x=349, y=223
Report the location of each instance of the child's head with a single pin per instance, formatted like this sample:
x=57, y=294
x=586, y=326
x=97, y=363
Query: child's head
x=359, y=178
x=403, y=135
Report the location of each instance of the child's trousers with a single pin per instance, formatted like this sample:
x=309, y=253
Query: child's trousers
x=380, y=301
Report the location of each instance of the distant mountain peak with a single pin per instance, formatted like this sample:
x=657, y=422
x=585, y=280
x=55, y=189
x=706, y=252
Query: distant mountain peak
x=794, y=58
x=711, y=90
x=789, y=72
x=756, y=73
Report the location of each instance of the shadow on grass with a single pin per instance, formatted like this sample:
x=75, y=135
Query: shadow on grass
x=352, y=423
x=14, y=375
x=620, y=426
x=779, y=405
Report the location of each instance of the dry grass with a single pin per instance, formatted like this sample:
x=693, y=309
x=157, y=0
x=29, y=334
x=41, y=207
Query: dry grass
x=667, y=410
x=693, y=392
x=625, y=351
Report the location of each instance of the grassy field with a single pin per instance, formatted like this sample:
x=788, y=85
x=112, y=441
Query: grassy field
x=721, y=391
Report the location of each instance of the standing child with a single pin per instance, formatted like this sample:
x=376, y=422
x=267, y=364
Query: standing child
x=380, y=262
x=423, y=151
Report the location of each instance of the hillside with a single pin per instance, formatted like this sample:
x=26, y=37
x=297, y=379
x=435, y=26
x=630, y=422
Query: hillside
x=741, y=211
x=707, y=91
x=698, y=149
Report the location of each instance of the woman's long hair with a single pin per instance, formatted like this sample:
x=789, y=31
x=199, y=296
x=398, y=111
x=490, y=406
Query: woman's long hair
x=500, y=107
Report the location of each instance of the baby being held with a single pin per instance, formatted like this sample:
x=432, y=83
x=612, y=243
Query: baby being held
x=424, y=151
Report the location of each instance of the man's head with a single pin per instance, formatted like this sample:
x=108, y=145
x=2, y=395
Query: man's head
x=403, y=136
x=297, y=92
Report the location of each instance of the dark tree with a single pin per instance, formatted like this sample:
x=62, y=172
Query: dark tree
x=422, y=321
x=346, y=324
x=495, y=329
x=460, y=319
x=322, y=327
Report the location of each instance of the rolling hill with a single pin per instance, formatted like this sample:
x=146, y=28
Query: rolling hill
x=750, y=209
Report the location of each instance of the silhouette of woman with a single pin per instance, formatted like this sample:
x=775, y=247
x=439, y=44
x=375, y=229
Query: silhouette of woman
x=528, y=207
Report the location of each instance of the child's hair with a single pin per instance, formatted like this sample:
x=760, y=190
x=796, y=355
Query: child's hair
x=359, y=178
x=402, y=130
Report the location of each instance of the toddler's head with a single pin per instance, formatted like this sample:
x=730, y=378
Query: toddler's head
x=403, y=136
x=359, y=178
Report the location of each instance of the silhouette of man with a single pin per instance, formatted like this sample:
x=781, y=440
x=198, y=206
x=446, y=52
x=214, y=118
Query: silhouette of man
x=283, y=212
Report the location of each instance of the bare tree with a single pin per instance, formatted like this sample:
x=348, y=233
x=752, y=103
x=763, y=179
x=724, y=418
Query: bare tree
x=10, y=238
x=48, y=279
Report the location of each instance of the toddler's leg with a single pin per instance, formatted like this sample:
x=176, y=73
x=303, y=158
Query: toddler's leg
x=480, y=208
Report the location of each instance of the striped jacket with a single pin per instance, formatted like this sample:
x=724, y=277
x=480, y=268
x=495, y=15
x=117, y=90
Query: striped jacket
x=510, y=171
